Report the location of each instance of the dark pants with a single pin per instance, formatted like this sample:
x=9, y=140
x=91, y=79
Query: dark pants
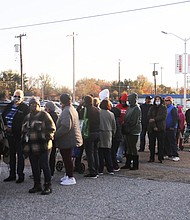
x=143, y=139
x=68, y=161
x=91, y=148
x=105, y=158
x=15, y=148
x=52, y=159
x=114, y=148
x=38, y=162
x=132, y=144
x=170, y=146
x=78, y=159
x=159, y=136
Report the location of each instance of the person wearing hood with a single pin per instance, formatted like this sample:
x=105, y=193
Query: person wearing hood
x=157, y=124
x=50, y=108
x=123, y=108
x=181, y=127
x=13, y=116
x=132, y=129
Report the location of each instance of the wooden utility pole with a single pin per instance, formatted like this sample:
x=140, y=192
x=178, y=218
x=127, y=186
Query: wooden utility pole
x=21, y=64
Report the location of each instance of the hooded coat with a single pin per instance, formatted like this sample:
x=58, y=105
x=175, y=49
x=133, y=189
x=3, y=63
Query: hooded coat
x=132, y=118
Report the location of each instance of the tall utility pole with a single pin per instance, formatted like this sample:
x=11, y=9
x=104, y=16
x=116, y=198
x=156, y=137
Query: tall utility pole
x=119, y=79
x=161, y=68
x=154, y=73
x=73, y=36
x=21, y=64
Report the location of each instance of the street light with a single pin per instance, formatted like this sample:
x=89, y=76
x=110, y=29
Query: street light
x=185, y=66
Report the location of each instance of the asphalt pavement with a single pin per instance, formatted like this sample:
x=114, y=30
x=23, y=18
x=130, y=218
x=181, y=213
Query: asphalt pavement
x=125, y=195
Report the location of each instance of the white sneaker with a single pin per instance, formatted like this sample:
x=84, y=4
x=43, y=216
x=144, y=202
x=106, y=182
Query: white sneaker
x=111, y=173
x=64, y=178
x=166, y=158
x=68, y=181
x=176, y=159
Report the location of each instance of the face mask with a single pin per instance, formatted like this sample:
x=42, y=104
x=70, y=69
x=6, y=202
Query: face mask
x=127, y=103
x=157, y=102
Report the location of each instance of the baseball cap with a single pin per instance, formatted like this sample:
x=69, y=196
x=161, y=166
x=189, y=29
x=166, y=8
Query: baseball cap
x=148, y=97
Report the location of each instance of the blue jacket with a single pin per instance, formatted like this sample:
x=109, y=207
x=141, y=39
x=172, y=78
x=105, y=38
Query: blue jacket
x=172, y=117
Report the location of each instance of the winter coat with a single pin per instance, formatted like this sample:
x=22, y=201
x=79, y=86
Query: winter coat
x=68, y=133
x=117, y=113
x=22, y=111
x=132, y=118
x=107, y=128
x=181, y=118
x=37, y=132
x=159, y=114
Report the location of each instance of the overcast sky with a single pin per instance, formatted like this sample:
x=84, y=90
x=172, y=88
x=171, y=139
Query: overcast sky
x=134, y=37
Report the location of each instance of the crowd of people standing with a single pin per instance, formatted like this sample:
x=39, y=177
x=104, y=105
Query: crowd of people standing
x=107, y=134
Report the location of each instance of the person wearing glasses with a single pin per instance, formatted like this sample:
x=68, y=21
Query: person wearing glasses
x=13, y=116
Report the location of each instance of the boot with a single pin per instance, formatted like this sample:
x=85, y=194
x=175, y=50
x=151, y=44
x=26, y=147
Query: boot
x=47, y=189
x=128, y=162
x=37, y=188
x=135, y=159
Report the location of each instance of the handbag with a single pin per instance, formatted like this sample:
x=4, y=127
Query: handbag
x=85, y=126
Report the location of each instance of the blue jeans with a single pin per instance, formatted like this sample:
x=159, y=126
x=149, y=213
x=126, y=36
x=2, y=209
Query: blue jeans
x=91, y=148
x=122, y=149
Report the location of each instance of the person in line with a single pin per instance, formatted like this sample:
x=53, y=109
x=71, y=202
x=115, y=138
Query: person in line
x=156, y=128
x=181, y=127
x=123, y=107
x=91, y=142
x=187, y=129
x=144, y=121
x=38, y=132
x=13, y=116
x=132, y=129
x=67, y=136
x=50, y=108
x=107, y=131
x=116, y=139
x=170, y=145
x=97, y=102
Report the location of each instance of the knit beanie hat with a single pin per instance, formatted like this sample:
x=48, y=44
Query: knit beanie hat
x=34, y=100
x=65, y=98
x=50, y=105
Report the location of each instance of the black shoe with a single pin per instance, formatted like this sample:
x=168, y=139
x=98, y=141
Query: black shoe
x=35, y=189
x=160, y=161
x=140, y=150
x=91, y=175
x=47, y=189
x=151, y=161
x=20, y=180
x=10, y=178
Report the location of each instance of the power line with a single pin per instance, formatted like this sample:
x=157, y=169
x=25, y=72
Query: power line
x=92, y=16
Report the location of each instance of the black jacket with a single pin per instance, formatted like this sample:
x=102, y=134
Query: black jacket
x=23, y=110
